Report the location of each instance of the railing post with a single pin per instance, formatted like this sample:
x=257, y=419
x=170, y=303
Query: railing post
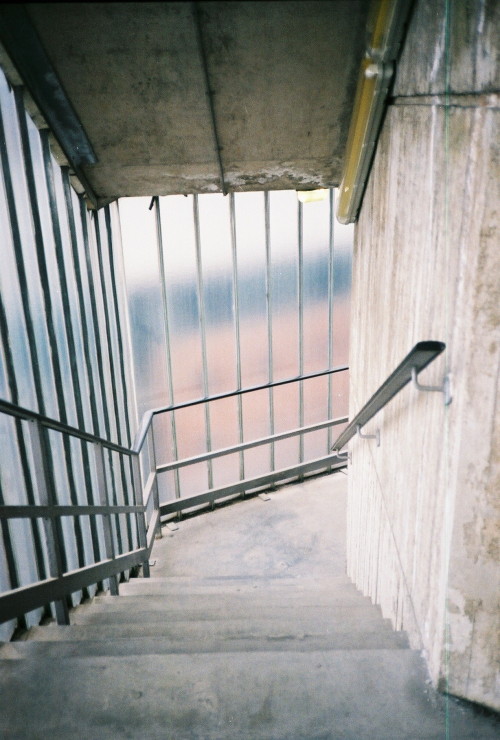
x=141, y=518
x=52, y=526
x=102, y=486
x=156, y=494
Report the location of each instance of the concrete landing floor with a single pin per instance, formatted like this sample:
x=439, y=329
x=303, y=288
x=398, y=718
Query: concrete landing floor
x=248, y=630
x=299, y=532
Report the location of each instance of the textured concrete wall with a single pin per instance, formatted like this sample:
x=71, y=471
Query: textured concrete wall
x=423, y=507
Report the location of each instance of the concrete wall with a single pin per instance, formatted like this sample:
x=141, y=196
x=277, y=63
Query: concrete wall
x=423, y=507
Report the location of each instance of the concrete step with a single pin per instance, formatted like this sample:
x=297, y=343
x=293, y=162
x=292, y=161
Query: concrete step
x=144, y=611
x=188, y=584
x=376, y=694
x=209, y=632
x=340, y=595
x=81, y=641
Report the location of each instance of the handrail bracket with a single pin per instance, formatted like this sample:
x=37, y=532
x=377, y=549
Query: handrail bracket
x=444, y=388
x=346, y=455
x=368, y=436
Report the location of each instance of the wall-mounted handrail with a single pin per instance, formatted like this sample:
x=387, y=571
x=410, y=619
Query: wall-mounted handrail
x=420, y=356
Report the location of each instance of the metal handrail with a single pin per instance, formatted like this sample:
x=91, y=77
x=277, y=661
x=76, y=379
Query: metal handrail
x=19, y=412
x=148, y=415
x=28, y=415
x=54, y=589
x=422, y=354
x=36, y=511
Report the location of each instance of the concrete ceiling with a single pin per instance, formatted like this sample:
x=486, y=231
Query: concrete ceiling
x=282, y=77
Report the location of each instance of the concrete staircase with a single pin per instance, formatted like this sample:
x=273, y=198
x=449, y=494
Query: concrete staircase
x=275, y=654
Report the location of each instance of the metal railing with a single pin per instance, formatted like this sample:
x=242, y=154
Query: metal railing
x=422, y=354
x=61, y=583
x=247, y=484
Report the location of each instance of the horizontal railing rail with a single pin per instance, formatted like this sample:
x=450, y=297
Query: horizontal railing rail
x=57, y=426
x=165, y=467
x=252, y=484
x=25, y=599
x=422, y=354
x=148, y=415
x=35, y=511
x=60, y=585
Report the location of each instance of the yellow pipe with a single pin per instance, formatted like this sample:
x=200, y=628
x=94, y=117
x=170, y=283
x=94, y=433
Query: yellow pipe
x=380, y=23
x=355, y=142
x=373, y=81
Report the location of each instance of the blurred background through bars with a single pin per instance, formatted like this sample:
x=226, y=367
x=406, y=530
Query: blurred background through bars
x=230, y=292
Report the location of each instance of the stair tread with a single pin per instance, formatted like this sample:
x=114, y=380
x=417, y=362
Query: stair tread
x=230, y=585
x=284, y=599
x=349, y=615
x=71, y=643
x=207, y=629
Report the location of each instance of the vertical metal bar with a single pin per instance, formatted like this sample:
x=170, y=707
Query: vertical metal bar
x=63, y=281
x=40, y=252
x=52, y=525
x=97, y=335
x=81, y=299
x=300, y=293
x=21, y=270
x=68, y=330
x=236, y=298
x=330, y=314
x=107, y=323
x=170, y=380
x=30, y=497
x=35, y=365
x=48, y=305
x=269, y=321
x=4, y=334
x=10, y=558
x=201, y=303
x=116, y=316
x=86, y=353
x=120, y=359
x=21, y=443
x=141, y=518
x=95, y=326
x=102, y=486
x=156, y=494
